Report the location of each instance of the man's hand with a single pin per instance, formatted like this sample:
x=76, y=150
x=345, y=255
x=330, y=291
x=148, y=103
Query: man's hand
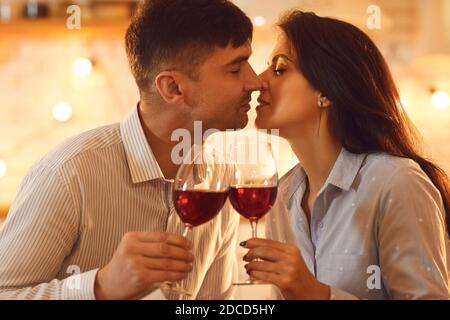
x=142, y=260
x=283, y=266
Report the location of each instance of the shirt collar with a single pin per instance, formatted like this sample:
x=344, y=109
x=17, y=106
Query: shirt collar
x=345, y=169
x=141, y=160
x=343, y=174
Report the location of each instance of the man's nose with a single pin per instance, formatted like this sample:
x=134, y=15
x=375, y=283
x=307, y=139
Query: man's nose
x=264, y=79
x=254, y=82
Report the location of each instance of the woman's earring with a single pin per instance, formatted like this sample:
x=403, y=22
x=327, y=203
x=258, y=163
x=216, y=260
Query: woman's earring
x=320, y=101
x=320, y=105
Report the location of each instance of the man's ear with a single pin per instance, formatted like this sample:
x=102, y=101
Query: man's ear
x=168, y=85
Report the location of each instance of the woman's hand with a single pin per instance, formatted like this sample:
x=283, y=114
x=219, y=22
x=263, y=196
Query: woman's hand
x=284, y=267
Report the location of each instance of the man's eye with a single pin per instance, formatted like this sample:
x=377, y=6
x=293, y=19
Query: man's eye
x=236, y=71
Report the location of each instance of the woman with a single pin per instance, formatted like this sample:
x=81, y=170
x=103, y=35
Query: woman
x=363, y=214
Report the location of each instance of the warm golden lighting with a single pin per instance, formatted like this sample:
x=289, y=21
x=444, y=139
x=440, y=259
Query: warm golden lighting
x=259, y=21
x=440, y=100
x=82, y=67
x=62, y=111
x=404, y=101
x=3, y=168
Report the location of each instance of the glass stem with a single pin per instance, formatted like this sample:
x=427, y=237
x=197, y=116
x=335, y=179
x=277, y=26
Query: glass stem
x=254, y=225
x=187, y=230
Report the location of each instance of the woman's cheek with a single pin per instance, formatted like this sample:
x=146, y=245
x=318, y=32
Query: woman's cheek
x=287, y=104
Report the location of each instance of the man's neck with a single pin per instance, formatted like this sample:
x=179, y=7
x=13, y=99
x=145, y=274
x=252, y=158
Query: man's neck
x=158, y=125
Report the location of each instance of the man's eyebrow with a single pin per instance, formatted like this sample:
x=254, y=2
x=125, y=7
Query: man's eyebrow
x=281, y=55
x=238, y=60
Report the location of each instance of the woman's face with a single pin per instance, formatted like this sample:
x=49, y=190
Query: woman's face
x=290, y=102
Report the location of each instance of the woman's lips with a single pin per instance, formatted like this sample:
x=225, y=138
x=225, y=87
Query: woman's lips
x=262, y=105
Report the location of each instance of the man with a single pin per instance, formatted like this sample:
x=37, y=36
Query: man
x=94, y=218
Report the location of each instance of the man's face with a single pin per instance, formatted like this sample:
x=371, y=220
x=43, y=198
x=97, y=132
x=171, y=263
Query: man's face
x=221, y=96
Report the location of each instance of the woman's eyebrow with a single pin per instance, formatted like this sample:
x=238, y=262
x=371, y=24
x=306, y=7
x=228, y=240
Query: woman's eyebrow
x=276, y=57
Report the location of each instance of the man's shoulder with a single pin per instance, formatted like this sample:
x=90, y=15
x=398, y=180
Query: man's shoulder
x=84, y=143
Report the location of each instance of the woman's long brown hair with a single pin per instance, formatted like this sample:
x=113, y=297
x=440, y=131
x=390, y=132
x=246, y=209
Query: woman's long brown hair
x=343, y=63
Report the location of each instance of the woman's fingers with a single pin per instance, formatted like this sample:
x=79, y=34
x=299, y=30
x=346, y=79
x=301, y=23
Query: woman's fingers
x=266, y=253
x=267, y=277
x=264, y=266
x=257, y=242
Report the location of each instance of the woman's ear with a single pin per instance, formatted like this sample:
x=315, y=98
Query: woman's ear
x=323, y=101
x=167, y=83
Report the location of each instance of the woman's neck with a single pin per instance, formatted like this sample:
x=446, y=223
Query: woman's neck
x=317, y=155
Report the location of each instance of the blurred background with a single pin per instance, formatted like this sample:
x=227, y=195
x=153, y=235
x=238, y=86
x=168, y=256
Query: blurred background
x=57, y=81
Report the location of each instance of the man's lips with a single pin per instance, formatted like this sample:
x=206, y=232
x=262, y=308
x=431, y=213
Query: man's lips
x=246, y=105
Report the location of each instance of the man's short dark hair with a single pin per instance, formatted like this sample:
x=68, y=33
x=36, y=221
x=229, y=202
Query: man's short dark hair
x=181, y=34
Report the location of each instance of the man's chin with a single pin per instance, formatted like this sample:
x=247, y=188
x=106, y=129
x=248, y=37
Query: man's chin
x=241, y=124
x=238, y=123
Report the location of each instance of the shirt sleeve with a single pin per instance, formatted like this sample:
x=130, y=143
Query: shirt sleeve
x=39, y=232
x=412, y=238
x=219, y=279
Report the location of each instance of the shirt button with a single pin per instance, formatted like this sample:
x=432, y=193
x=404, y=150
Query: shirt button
x=321, y=225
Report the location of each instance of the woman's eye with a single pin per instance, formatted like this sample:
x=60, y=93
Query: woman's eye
x=280, y=67
x=279, y=71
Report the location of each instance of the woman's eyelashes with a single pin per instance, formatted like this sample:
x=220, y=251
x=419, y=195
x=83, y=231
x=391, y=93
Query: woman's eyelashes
x=279, y=71
x=280, y=67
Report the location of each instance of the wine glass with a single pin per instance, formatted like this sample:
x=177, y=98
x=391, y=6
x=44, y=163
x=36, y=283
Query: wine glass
x=253, y=186
x=199, y=192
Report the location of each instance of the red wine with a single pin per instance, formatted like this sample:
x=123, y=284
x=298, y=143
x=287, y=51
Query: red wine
x=252, y=202
x=196, y=207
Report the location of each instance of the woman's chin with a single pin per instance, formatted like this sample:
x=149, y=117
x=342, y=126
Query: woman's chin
x=260, y=123
x=263, y=123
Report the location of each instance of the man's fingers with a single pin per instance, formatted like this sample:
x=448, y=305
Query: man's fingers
x=164, y=250
x=167, y=265
x=165, y=237
x=161, y=276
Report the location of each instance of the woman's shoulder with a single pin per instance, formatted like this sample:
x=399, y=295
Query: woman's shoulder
x=397, y=175
x=391, y=167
